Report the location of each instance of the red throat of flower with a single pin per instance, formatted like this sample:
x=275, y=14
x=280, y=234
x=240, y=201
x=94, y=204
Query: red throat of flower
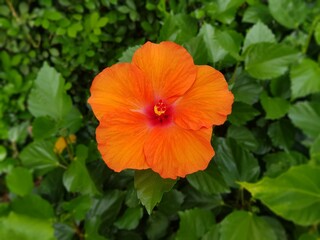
x=160, y=114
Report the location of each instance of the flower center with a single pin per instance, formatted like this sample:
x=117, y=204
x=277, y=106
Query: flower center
x=160, y=108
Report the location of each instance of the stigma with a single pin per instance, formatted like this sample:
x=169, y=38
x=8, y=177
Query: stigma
x=160, y=108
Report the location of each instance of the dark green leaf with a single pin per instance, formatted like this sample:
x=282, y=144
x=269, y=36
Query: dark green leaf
x=43, y=127
x=194, y=224
x=130, y=219
x=242, y=113
x=235, y=163
x=157, y=226
x=78, y=206
x=282, y=134
x=150, y=188
x=274, y=107
x=294, y=195
x=243, y=136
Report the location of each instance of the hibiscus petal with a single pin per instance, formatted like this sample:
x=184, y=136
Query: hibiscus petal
x=168, y=66
x=121, y=137
x=121, y=86
x=175, y=152
x=207, y=103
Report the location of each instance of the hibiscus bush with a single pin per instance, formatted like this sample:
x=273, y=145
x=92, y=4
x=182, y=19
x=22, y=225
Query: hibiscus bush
x=262, y=183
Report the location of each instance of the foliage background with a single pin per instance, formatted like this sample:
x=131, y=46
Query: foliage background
x=264, y=182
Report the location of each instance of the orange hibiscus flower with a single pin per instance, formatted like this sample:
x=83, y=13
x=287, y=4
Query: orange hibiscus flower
x=158, y=111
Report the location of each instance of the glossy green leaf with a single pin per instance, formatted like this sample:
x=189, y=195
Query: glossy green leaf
x=279, y=162
x=282, y=134
x=17, y=226
x=19, y=181
x=305, y=78
x=294, y=195
x=243, y=225
x=289, y=13
x=150, y=188
x=243, y=136
x=268, y=60
x=257, y=34
x=235, y=163
x=306, y=116
x=130, y=219
x=194, y=223
x=246, y=89
x=274, y=107
x=39, y=156
x=242, y=113
x=208, y=181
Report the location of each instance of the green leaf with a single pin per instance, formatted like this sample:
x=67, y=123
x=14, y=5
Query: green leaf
x=306, y=116
x=231, y=42
x=242, y=113
x=171, y=202
x=279, y=162
x=78, y=206
x=3, y=153
x=19, y=181
x=77, y=179
x=215, y=51
x=243, y=225
x=150, y=187
x=47, y=97
x=43, y=127
x=197, y=51
x=315, y=150
x=275, y=107
x=257, y=34
x=246, y=89
x=268, y=60
x=235, y=163
x=194, y=223
x=257, y=12
x=33, y=206
x=226, y=10
x=289, y=13
x=305, y=78
x=317, y=33
x=130, y=219
x=294, y=195
x=17, y=226
x=128, y=54
x=40, y=157
x=282, y=134
x=208, y=181
x=157, y=226
x=243, y=136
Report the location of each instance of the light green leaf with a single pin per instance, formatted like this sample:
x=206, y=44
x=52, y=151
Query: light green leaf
x=305, y=78
x=19, y=181
x=128, y=54
x=275, y=107
x=208, y=181
x=194, y=223
x=231, y=42
x=282, y=134
x=235, y=163
x=33, y=206
x=268, y=60
x=306, y=116
x=40, y=157
x=130, y=219
x=257, y=34
x=294, y=195
x=18, y=227
x=226, y=10
x=215, y=51
x=243, y=225
x=242, y=113
x=150, y=187
x=289, y=13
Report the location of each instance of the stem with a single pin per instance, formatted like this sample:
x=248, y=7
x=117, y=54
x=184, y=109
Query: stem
x=313, y=26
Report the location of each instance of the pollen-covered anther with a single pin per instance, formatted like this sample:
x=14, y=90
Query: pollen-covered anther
x=160, y=108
